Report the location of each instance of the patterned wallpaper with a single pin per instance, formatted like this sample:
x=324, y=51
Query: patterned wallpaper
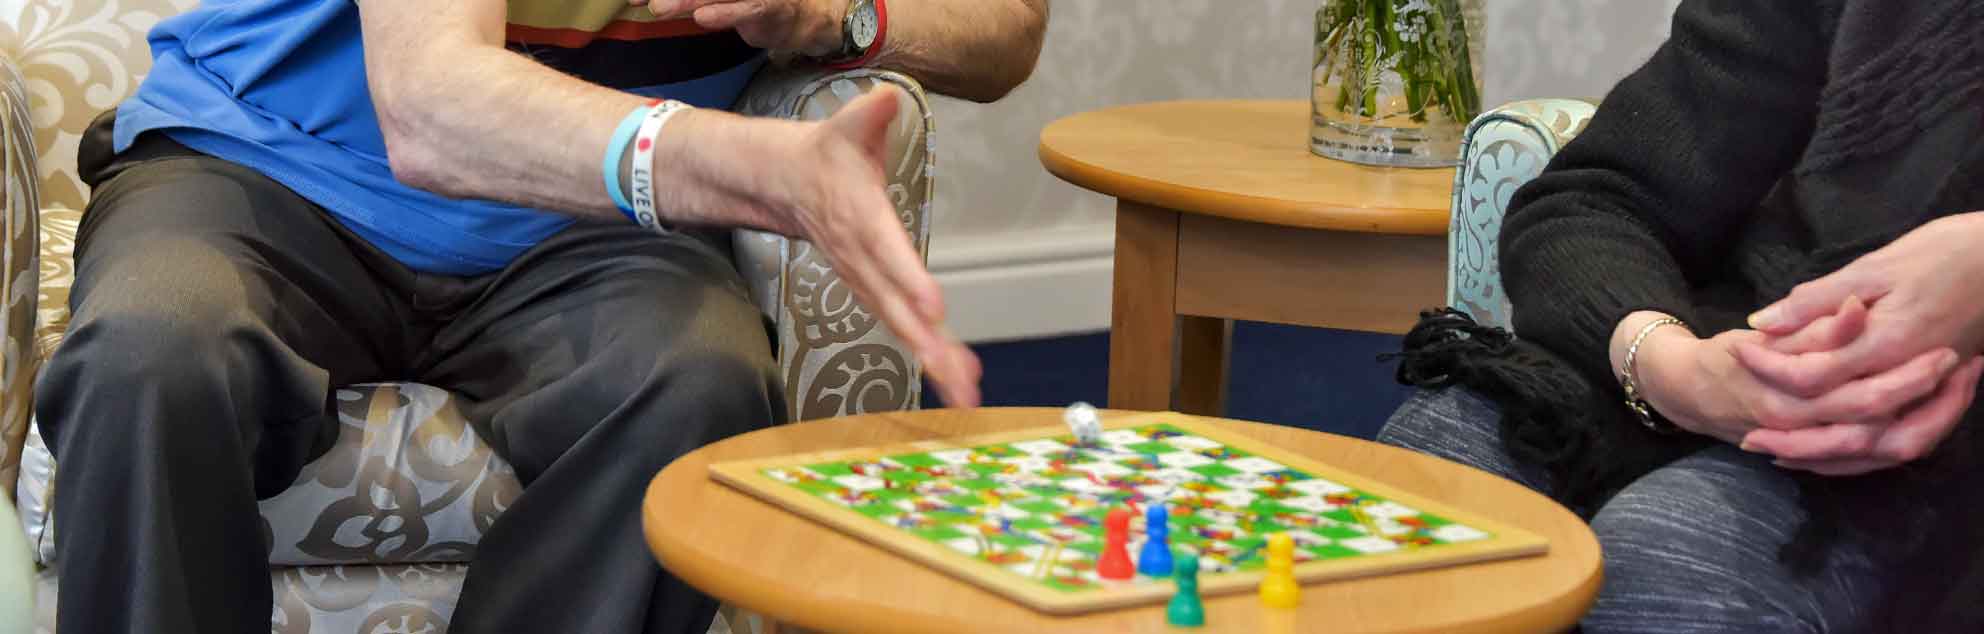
x=1106, y=52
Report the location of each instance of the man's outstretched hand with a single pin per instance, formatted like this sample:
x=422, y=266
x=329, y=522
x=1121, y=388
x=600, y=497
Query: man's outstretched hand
x=826, y=182
x=856, y=224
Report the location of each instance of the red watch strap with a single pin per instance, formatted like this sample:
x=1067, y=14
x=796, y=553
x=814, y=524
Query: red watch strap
x=881, y=37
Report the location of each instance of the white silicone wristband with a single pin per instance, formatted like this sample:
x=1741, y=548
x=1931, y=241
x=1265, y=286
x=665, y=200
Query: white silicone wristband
x=640, y=182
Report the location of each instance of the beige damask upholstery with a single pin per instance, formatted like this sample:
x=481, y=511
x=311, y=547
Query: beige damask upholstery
x=377, y=535
x=18, y=251
x=1503, y=149
x=407, y=482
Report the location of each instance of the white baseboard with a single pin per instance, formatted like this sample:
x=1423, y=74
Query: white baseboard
x=1021, y=286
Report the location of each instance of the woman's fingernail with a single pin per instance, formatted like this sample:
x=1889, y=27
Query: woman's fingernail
x=1748, y=446
x=1764, y=318
x=1947, y=362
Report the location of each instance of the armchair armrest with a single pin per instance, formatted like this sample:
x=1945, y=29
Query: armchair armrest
x=1502, y=149
x=837, y=358
x=20, y=270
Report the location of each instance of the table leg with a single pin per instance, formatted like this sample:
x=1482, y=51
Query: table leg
x=1143, y=338
x=1202, y=365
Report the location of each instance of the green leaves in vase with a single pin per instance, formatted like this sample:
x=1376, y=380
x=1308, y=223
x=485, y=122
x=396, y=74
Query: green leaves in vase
x=1423, y=42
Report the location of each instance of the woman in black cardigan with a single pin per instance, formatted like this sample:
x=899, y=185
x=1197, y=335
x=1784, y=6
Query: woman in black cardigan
x=1748, y=340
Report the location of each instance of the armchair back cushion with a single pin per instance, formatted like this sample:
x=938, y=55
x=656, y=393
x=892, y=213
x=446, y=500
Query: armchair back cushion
x=1503, y=149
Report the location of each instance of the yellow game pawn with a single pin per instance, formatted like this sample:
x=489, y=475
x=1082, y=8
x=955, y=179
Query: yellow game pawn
x=1278, y=588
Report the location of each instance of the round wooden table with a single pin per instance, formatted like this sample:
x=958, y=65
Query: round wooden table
x=757, y=556
x=1222, y=214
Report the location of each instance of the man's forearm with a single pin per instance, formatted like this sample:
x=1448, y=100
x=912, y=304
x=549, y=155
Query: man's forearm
x=498, y=126
x=971, y=49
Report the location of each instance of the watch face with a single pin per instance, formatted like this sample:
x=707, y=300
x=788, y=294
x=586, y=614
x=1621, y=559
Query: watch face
x=863, y=26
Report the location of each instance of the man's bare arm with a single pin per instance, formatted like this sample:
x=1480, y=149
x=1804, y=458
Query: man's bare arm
x=971, y=49
x=464, y=117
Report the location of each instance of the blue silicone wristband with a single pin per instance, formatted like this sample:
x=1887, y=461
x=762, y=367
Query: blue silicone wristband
x=616, y=148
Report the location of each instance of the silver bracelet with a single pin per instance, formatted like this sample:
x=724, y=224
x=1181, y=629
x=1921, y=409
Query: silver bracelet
x=1629, y=378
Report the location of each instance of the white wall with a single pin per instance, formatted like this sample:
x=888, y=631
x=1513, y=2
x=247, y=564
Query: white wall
x=1024, y=254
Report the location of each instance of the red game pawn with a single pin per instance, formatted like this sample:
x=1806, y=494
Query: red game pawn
x=1115, y=562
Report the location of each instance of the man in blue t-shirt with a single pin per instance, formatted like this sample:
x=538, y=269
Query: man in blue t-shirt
x=509, y=200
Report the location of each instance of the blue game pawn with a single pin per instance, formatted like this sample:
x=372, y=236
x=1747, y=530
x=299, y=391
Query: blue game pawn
x=1155, y=559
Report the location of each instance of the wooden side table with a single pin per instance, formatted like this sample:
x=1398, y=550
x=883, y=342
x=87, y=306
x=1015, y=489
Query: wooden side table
x=762, y=558
x=1222, y=214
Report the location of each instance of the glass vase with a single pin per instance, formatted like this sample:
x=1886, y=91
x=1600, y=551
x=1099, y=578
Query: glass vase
x=1396, y=81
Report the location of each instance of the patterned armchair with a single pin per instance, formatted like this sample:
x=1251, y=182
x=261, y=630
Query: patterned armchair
x=1503, y=149
x=376, y=535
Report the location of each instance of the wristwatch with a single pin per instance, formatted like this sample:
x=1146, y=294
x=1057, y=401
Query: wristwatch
x=862, y=32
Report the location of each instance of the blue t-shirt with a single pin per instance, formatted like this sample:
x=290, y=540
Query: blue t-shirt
x=279, y=86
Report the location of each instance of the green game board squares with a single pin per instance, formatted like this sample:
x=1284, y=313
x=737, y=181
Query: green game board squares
x=967, y=501
x=985, y=468
x=1265, y=527
x=1093, y=548
x=979, y=484
x=1214, y=470
x=939, y=533
x=904, y=476
x=831, y=469
x=1189, y=521
x=1040, y=506
x=1032, y=524
x=1331, y=551
x=952, y=517
x=878, y=511
x=1337, y=532
x=1268, y=506
x=1152, y=447
x=1434, y=521
x=891, y=495
x=916, y=460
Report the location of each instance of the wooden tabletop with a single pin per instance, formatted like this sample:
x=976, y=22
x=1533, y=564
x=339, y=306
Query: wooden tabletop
x=755, y=555
x=1245, y=160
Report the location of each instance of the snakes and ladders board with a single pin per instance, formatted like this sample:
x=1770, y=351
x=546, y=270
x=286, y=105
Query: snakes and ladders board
x=1021, y=513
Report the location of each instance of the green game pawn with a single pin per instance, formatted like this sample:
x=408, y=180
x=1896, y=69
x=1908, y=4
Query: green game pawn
x=1185, y=609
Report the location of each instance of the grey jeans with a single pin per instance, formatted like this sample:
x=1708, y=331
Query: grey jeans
x=1691, y=547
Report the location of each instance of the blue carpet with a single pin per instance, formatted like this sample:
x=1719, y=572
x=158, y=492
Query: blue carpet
x=1314, y=378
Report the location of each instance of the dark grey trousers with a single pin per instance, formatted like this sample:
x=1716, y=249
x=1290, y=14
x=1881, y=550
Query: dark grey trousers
x=1691, y=547
x=214, y=313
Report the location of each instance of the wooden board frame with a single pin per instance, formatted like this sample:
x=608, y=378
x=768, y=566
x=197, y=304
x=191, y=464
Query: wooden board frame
x=746, y=475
